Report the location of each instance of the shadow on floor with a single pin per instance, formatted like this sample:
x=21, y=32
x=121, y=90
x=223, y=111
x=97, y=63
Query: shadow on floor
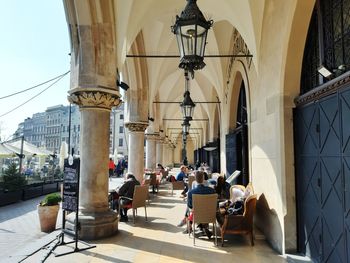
x=18, y=209
x=198, y=253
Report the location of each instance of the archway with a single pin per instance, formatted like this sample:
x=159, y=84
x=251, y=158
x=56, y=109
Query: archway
x=237, y=151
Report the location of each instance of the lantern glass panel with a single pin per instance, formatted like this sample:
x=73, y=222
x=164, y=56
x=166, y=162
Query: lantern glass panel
x=179, y=42
x=201, y=40
x=193, y=40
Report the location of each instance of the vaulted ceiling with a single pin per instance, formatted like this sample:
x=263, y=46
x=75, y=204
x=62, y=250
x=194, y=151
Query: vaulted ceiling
x=153, y=18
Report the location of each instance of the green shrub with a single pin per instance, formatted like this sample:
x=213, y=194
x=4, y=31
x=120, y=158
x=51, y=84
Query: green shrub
x=12, y=179
x=51, y=199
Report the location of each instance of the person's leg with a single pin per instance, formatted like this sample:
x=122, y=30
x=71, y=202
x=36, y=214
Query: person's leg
x=185, y=189
x=184, y=220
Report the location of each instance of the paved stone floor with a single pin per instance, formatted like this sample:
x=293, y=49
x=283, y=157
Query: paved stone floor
x=158, y=240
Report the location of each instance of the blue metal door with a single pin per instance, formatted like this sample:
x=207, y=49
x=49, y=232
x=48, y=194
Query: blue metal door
x=322, y=148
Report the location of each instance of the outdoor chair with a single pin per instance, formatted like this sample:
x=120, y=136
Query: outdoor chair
x=204, y=212
x=138, y=200
x=177, y=185
x=153, y=182
x=215, y=176
x=249, y=188
x=242, y=187
x=144, y=182
x=240, y=224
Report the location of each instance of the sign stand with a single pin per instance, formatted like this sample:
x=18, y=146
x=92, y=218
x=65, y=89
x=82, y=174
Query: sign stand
x=70, y=203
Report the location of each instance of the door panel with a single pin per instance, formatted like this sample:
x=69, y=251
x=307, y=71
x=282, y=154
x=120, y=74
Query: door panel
x=329, y=126
x=231, y=153
x=322, y=148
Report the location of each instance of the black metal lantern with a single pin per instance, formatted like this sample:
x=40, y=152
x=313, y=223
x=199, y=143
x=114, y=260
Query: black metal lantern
x=186, y=126
x=184, y=138
x=191, y=29
x=187, y=106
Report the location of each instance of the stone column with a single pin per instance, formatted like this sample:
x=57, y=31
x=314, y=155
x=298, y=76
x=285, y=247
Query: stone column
x=151, y=142
x=136, y=148
x=159, y=152
x=95, y=217
x=172, y=154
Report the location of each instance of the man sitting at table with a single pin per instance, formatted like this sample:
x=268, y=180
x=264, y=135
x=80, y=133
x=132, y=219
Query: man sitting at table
x=126, y=190
x=202, y=190
x=181, y=177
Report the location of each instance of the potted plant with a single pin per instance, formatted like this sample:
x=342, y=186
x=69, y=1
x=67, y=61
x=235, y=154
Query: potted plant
x=12, y=185
x=48, y=211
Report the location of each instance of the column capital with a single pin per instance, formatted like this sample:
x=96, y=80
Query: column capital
x=136, y=126
x=152, y=136
x=100, y=99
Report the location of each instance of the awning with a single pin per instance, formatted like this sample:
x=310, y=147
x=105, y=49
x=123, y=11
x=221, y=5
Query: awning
x=5, y=152
x=28, y=148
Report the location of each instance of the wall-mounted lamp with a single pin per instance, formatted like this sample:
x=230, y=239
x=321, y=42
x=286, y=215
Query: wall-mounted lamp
x=122, y=85
x=324, y=72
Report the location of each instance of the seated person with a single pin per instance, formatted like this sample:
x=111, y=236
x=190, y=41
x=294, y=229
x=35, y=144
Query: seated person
x=200, y=189
x=206, y=177
x=222, y=188
x=161, y=172
x=233, y=206
x=182, y=174
x=181, y=177
x=126, y=190
x=160, y=168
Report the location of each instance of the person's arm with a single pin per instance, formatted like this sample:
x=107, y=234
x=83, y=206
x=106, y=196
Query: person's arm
x=123, y=189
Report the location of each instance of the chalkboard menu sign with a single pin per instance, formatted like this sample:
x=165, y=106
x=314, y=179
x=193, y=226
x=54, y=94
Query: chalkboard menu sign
x=71, y=185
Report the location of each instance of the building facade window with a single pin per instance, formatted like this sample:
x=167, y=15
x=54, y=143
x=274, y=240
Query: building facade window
x=120, y=142
x=121, y=116
x=327, y=43
x=121, y=129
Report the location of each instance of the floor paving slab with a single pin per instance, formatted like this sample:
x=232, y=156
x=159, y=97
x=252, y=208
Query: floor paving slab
x=158, y=240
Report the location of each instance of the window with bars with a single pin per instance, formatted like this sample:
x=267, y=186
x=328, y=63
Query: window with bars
x=327, y=43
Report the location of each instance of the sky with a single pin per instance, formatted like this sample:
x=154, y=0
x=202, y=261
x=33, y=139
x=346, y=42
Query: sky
x=34, y=47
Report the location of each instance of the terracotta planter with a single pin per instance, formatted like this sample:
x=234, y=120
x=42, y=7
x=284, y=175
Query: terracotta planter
x=48, y=217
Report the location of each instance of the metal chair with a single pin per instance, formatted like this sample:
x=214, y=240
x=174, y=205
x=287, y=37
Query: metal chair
x=138, y=200
x=204, y=211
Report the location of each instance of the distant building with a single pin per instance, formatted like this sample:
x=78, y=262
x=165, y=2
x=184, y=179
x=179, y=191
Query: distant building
x=19, y=131
x=50, y=128
x=117, y=139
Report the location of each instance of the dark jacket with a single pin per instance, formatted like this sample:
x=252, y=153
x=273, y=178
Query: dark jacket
x=200, y=189
x=127, y=189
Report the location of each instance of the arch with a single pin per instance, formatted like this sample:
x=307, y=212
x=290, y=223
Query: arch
x=290, y=84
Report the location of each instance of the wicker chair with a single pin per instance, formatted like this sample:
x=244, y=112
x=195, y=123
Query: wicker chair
x=177, y=185
x=234, y=194
x=239, y=186
x=240, y=224
x=138, y=200
x=204, y=211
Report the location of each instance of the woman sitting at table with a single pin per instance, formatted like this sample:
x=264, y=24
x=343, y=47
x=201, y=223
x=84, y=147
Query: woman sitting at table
x=222, y=188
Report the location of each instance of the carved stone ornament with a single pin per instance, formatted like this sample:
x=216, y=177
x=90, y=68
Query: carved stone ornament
x=136, y=126
x=152, y=136
x=324, y=90
x=94, y=99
